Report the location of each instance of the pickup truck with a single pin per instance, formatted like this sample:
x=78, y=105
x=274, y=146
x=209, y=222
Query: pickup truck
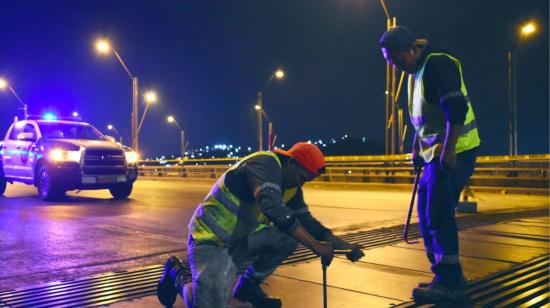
x=57, y=155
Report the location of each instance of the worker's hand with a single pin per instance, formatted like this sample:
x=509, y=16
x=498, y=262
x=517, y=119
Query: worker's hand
x=418, y=162
x=447, y=159
x=356, y=253
x=325, y=250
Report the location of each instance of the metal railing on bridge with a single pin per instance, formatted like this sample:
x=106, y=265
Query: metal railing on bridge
x=522, y=171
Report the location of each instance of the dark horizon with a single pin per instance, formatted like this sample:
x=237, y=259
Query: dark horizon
x=207, y=60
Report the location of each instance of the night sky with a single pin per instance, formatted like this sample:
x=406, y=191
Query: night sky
x=207, y=60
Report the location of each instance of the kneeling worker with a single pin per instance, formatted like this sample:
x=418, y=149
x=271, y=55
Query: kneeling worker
x=254, y=213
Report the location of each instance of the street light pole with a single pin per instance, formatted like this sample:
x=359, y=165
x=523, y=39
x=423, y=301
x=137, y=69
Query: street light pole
x=259, y=120
x=134, y=115
x=111, y=127
x=171, y=119
x=525, y=31
x=103, y=46
x=182, y=142
x=510, y=59
x=4, y=84
x=150, y=98
x=279, y=74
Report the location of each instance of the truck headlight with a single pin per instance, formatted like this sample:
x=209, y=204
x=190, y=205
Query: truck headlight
x=131, y=157
x=59, y=155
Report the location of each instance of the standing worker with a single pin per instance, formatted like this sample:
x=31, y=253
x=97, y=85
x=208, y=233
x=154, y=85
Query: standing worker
x=445, y=143
x=254, y=213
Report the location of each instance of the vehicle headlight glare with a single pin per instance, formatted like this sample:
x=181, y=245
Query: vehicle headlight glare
x=131, y=157
x=59, y=155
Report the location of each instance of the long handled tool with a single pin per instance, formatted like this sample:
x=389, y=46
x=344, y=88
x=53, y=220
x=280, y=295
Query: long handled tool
x=324, y=264
x=417, y=171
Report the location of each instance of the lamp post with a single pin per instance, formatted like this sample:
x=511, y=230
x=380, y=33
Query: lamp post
x=279, y=74
x=270, y=139
x=171, y=119
x=104, y=47
x=150, y=97
x=5, y=85
x=525, y=31
x=111, y=127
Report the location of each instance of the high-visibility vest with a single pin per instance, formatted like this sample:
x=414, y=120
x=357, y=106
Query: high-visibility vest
x=217, y=216
x=429, y=119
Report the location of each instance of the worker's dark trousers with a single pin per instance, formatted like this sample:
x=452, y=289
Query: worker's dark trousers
x=438, y=196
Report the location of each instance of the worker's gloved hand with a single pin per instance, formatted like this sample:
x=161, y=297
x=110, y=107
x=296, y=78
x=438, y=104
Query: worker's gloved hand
x=418, y=162
x=325, y=250
x=356, y=253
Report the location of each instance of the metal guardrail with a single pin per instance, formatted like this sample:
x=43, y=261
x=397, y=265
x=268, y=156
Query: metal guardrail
x=358, y=158
x=524, y=171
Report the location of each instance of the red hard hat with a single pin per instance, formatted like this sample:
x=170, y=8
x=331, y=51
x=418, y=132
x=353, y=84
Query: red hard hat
x=308, y=155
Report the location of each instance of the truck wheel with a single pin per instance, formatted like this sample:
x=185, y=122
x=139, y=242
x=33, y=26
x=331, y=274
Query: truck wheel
x=2, y=186
x=121, y=191
x=46, y=186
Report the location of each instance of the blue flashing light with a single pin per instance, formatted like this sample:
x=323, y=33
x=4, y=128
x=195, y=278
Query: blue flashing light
x=49, y=116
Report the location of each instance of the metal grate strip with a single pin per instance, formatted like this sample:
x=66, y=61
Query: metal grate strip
x=524, y=285
x=124, y=286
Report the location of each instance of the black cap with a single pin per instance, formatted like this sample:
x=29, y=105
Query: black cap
x=397, y=39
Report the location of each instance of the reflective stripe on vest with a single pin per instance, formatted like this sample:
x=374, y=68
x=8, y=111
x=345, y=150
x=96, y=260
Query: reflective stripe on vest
x=216, y=216
x=429, y=120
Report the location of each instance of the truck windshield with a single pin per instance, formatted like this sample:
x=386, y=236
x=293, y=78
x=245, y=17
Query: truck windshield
x=70, y=131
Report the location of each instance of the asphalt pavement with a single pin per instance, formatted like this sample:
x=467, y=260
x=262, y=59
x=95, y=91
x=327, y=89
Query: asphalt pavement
x=151, y=226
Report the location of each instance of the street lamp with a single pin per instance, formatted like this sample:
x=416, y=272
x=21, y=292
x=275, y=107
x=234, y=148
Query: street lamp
x=525, y=31
x=279, y=74
x=171, y=119
x=271, y=139
x=149, y=97
x=528, y=29
x=111, y=127
x=104, y=47
x=5, y=85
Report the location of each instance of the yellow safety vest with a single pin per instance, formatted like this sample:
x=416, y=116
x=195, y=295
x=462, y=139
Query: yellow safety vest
x=217, y=216
x=429, y=120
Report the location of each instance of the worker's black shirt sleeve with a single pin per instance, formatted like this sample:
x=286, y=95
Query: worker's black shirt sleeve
x=442, y=85
x=301, y=211
x=263, y=177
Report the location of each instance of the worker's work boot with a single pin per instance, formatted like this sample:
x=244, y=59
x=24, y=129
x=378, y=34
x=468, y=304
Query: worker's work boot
x=166, y=288
x=436, y=292
x=425, y=284
x=247, y=290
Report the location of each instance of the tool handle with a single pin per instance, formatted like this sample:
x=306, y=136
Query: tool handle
x=411, y=205
x=324, y=284
x=342, y=251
